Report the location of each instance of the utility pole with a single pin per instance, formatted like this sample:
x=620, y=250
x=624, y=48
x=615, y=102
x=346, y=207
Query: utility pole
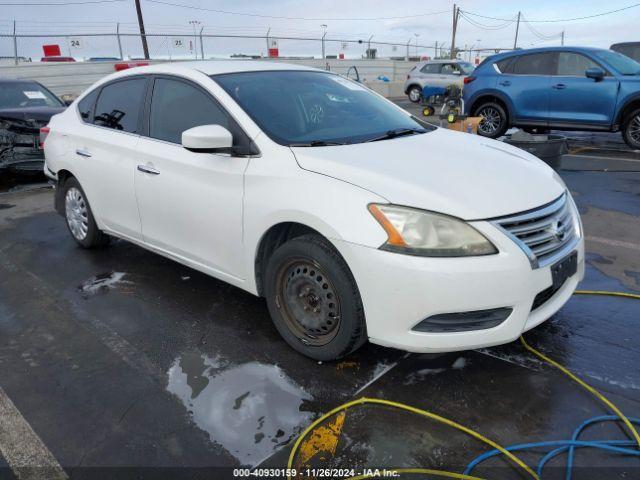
x=119, y=40
x=456, y=12
x=143, y=35
x=562, y=38
x=369, y=55
x=435, y=50
x=195, y=23
x=515, y=42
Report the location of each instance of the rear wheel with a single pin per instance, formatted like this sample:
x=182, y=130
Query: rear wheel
x=494, y=120
x=313, y=299
x=631, y=130
x=79, y=217
x=415, y=93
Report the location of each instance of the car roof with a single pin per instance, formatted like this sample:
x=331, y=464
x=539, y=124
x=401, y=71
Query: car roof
x=523, y=51
x=446, y=60
x=217, y=67
x=18, y=80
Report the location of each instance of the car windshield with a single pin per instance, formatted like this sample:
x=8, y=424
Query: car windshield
x=302, y=108
x=26, y=94
x=621, y=63
x=466, y=68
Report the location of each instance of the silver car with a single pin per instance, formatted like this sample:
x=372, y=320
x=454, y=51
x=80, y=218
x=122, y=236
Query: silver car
x=435, y=73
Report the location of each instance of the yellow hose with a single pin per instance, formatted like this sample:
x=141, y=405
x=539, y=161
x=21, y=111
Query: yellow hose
x=469, y=431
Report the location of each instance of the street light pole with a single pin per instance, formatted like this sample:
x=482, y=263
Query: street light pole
x=143, y=35
x=324, y=34
x=417, y=35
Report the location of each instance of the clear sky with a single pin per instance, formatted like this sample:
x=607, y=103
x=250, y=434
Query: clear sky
x=414, y=21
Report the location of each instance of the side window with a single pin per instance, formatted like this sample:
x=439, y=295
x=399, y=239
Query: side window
x=177, y=106
x=119, y=105
x=574, y=64
x=534, y=64
x=85, y=106
x=506, y=66
x=431, y=68
x=448, y=69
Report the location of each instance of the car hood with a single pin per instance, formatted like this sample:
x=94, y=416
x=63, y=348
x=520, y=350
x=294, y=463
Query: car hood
x=458, y=174
x=39, y=114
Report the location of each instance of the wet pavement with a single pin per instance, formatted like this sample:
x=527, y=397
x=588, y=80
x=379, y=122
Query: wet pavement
x=119, y=358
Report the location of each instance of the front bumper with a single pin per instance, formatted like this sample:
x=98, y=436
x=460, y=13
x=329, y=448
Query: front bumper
x=398, y=291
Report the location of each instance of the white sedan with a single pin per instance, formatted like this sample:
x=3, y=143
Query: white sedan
x=355, y=220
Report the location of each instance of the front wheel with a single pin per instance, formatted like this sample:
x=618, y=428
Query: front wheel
x=631, y=130
x=494, y=120
x=313, y=299
x=415, y=93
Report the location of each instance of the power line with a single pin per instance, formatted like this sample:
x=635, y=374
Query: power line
x=485, y=26
x=51, y=4
x=560, y=20
x=227, y=12
x=540, y=35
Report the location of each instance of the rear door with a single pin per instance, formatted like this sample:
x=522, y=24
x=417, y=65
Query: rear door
x=104, y=146
x=190, y=203
x=576, y=99
x=525, y=81
x=430, y=75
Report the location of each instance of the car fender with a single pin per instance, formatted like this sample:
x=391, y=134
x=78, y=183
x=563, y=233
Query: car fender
x=491, y=92
x=623, y=103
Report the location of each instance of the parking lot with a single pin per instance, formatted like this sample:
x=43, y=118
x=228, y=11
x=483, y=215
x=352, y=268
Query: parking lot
x=121, y=362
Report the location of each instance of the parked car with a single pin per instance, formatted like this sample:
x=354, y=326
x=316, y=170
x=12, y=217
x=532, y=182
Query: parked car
x=308, y=189
x=561, y=88
x=25, y=107
x=630, y=49
x=435, y=73
x=57, y=59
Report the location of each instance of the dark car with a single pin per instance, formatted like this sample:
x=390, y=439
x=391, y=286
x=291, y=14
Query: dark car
x=25, y=107
x=630, y=49
x=563, y=88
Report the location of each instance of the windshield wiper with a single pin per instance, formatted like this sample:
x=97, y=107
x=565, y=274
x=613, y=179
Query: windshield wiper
x=397, y=132
x=317, y=143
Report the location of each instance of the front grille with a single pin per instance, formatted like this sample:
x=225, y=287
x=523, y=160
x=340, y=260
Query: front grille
x=544, y=234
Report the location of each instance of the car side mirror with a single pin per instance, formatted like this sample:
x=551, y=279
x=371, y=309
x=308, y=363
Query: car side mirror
x=596, y=74
x=208, y=139
x=67, y=101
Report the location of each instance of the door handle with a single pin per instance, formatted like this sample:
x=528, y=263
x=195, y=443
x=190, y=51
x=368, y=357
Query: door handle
x=559, y=86
x=82, y=152
x=506, y=83
x=148, y=169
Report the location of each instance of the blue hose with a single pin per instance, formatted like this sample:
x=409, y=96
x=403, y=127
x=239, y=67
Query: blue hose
x=568, y=446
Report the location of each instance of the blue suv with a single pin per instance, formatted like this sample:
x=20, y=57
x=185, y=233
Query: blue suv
x=563, y=88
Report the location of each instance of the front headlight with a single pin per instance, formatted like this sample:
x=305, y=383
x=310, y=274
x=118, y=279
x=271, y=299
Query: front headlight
x=418, y=232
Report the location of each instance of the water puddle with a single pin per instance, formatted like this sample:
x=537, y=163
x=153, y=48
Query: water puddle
x=250, y=409
x=103, y=282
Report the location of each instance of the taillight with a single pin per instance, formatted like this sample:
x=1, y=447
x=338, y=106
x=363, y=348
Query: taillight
x=44, y=131
x=468, y=80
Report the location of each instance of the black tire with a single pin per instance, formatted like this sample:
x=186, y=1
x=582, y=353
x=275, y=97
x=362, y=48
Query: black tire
x=631, y=130
x=499, y=123
x=313, y=299
x=415, y=93
x=79, y=218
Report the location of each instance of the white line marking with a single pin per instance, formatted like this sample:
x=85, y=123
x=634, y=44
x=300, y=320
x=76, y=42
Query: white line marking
x=21, y=447
x=613, y=243
x=383, y=372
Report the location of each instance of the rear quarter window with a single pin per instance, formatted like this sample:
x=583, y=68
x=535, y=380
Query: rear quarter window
x=85, y=106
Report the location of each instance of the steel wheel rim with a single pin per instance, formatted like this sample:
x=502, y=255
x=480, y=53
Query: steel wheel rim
x=414, y=94
x=634, y=130
x=308, y=301
x=77, y=213
x=491, y=120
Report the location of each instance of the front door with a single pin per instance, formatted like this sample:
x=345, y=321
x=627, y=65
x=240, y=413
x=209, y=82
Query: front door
x=190, y=203
x=576, y=99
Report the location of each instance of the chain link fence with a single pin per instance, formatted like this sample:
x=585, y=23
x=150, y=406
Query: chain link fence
x=25, y=47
